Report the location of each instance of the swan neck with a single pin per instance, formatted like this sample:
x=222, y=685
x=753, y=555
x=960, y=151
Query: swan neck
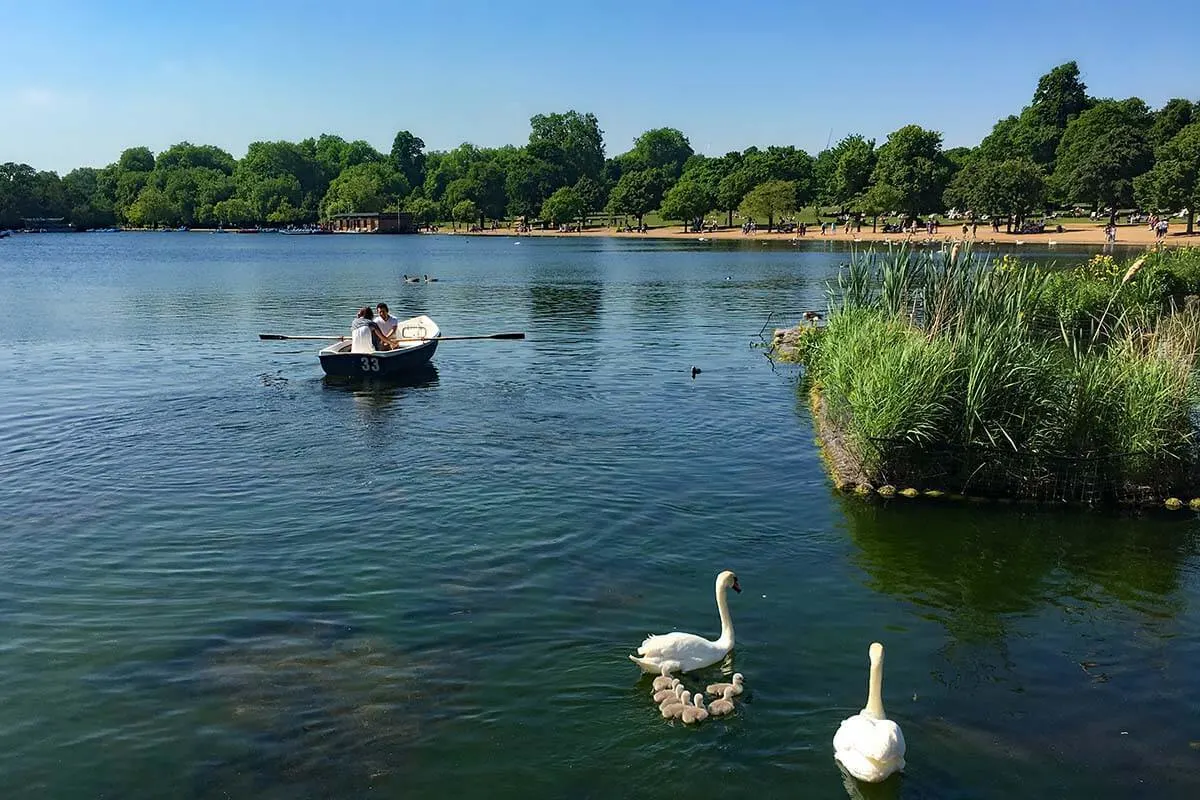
x=726, y=639
x=875, y=690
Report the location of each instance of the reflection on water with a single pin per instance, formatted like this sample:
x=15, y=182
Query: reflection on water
x=575, y=304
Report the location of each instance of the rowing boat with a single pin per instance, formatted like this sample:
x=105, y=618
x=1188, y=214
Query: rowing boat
x=418, y=341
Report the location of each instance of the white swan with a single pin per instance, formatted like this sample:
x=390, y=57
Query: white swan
x=663, y=694
x=719, y=708
x=664, y=680
x=869, y=745
x=687, y=650
x=695, y=712
x=718, y=689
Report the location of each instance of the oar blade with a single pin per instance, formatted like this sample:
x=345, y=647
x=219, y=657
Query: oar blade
x=514, y=335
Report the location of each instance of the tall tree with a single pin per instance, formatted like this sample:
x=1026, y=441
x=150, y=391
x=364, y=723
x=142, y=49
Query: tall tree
x=663, y=149
x=136, y=159
x=637, y=193
x=771, y=199
x=528, y=183
x=564, y=206
x=1174, y=181
x=1173, y=117
x=848, y=169
x=408, y=156
x=1011, y=189
x=1102, y=151
x=912, y=162
x=688, y=200
x=572, y=143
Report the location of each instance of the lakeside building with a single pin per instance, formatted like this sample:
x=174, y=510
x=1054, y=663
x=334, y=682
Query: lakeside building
x=47, y=224
x=374, y=222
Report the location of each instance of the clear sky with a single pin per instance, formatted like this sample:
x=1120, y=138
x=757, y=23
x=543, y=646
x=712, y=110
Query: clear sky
x=81, y=81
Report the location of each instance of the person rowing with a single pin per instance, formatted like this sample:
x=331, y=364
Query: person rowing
x=387, y=325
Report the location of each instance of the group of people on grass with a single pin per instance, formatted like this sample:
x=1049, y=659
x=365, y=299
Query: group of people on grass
x=373, y=331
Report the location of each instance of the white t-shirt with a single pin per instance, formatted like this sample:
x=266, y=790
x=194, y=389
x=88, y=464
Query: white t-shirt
x=387, y=326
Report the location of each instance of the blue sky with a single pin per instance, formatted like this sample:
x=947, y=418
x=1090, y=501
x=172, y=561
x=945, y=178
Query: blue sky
x=81, y=82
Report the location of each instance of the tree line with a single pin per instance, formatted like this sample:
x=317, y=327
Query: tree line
x=1066, y=148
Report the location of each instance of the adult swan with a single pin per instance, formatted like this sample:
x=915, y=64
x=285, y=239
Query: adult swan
x=869, y=745
x=687, y=651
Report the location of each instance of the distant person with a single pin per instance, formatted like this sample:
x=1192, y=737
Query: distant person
x=364, y=333
x=386, y=323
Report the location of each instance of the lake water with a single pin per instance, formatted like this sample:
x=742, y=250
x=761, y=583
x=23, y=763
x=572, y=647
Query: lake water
x=221, y=576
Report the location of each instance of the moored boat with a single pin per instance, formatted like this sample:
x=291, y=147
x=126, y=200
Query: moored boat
x=418, y=341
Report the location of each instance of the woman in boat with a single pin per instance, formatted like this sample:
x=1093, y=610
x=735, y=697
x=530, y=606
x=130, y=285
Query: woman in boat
x=365, y=335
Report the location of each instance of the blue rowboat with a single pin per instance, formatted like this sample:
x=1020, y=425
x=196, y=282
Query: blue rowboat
x=418, y=342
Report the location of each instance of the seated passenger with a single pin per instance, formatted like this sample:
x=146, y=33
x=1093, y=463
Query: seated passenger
x=386, y=324
x=364, y=333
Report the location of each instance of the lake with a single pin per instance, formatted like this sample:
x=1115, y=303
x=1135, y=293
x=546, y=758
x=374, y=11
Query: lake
x=222, y=576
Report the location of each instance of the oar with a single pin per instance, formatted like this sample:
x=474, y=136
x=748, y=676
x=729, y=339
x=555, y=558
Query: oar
x=515, y=335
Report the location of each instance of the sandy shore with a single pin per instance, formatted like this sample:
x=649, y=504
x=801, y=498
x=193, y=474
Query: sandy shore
x=1127, y=236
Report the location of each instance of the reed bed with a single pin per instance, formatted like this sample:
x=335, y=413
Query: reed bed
x=1003, y=378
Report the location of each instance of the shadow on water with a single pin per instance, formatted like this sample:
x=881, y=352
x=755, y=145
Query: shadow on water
x=1061, y=631
x=976, y=564
x=294, y=705
x=382, y=392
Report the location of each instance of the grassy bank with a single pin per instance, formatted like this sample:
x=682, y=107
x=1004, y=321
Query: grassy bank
x=1000, y=378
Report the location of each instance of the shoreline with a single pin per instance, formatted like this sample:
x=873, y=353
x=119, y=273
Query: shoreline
x=1129, y=236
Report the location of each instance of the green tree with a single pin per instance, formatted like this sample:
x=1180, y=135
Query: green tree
x=1102, y=151
x=664, y=149
x=847, y=170
x=732, y=189
x=424, y=211
x=571, y=143
x=136, y=159
x=153, y=208
x=1174, y=181
x=1174, y=116
x=465, y=211
x=408, y=157
x=364, y=188
x=591, y=193
x=234, y=211
x=1011, y=189
x=880, y=198
x=912, y=162
x=564, y=206
x=528, y=183
x=637, y=193
x=688, y=200
x=771, y=199
x=1059, y=98
x=186, y=155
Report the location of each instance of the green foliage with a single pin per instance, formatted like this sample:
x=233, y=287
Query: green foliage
x=662, y=149
x=843, y=173
x=565, y=205
x=636, y=193
x=571, y=143
x=771, y=199
x=1102, y=151
x=408, y=157
x=912, y=163
x=1015, y=187
x=687, y=200
x=364, y=188
x=423, y=210
x=1174, y=181
x=465, y=211
x=152, y=207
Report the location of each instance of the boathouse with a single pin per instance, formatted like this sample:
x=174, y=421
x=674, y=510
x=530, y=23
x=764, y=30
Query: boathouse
x=373, y=222
x=47, y=224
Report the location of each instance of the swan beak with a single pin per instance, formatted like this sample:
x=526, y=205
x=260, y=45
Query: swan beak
x=735, y=586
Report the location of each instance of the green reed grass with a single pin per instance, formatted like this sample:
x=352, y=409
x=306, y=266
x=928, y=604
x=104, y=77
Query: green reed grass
x=926, y=351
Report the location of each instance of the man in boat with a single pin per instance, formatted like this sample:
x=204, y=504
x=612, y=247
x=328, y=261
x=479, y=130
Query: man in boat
x=387, y=326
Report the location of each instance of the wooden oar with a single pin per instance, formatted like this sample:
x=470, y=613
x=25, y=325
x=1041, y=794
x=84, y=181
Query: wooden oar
x=516, y=335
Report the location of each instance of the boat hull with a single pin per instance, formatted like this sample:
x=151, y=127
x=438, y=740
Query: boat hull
x=339, y=362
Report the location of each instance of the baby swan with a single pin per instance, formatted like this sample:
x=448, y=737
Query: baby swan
x=718, y=689
x=670, y=691
x=664, y=679
x=670, y=709
x=694, y=713
x=719, y=708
